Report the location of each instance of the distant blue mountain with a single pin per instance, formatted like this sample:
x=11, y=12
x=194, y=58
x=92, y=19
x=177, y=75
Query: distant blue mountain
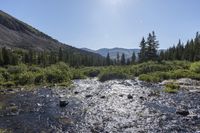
x=113, y=52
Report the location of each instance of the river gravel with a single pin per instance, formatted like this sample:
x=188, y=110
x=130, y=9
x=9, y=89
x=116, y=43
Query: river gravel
x=117, y=106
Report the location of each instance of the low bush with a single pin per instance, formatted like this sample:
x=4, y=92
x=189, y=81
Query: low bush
x=54, y=75
x=149, y=78
x=182, y=73
x=58, y=73
x=39, y=78
x=8, y=84
x=34, y=69
x=111, y=76
x=91, y=72
x=77, y=74
x=150, y=67
x=17, y=69
x=25, y=78
x=195, y=67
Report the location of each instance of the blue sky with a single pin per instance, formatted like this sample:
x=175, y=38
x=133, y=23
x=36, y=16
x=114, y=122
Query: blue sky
x=109, y=23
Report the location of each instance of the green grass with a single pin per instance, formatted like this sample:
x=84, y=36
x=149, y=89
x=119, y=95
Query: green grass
x=171, y=88
x=4, y=131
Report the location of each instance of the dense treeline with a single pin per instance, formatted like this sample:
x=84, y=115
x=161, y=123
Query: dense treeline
x=149, y=50
x=30, y=57
x=190, y=51
x=121, y=60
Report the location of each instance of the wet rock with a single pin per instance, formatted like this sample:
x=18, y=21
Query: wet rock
x=10, y=90
x=63, y=103
x=182, y=112
x=76, y=92
x=121, y=95
x=154, y=94
x=126, y=83
x=130, y=96
x=102, y=97
x=194, y=91
x=12, y=110
x=142, y=98
x=65, y=120
x=88, y=96
x=39, y=104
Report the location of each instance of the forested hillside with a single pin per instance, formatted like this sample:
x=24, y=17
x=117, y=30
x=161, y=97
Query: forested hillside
x=25, y=44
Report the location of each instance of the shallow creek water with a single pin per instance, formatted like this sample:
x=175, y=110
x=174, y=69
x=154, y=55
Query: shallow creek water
x=128, y=106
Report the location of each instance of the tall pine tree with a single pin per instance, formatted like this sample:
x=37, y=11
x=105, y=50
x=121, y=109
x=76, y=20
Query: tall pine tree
x=152, y=46
x=142, y=53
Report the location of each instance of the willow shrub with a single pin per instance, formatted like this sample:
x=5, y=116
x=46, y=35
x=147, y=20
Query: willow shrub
x=58, y=73
x=195, y=67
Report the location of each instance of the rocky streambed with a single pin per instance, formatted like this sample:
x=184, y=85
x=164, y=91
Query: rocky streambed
x=89, y=106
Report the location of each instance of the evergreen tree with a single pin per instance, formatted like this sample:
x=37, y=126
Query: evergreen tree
x=197, y=47
x=118, y=58
x=6, y=57
x=152, y=46
x=26, y=58
x=128, y=62
x=60, y=55
x=133, y=58
x=123, y=59
x=142, y=53
x=108, y=59
x=162, y=55
x=1, y=58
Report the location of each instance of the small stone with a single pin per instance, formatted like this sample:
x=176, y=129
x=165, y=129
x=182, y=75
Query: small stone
x=142, y=98
x=182, y=112
x=88, y=96
x=76, y=92
x=39, y=104
x=164, y=117
x=102, y=97
x=130, y=96
x=121, y=95
x=63, y=103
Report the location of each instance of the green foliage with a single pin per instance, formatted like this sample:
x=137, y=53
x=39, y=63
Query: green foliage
x=39, y=78
x=25, y=78
x=91, y=72
x=5, y=131
x=78, y=74
x=8, y=84
x=58, y=73
x=61, y=73
x=149, y=78
x=17, y=69
x=54, y=75
x=111, y=76
x=171, y=88
x=195, y=67
x=150, y=67
x=73, y=57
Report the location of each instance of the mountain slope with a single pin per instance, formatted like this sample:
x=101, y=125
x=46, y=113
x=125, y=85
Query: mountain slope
x=17, y=34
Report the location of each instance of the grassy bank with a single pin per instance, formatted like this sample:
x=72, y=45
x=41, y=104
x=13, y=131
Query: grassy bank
x=62, y=74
